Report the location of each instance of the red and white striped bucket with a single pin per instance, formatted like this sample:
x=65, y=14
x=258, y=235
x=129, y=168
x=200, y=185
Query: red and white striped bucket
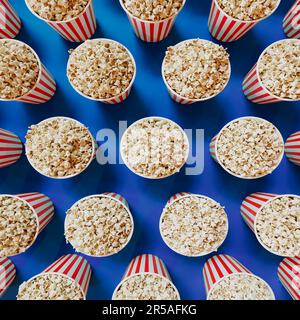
x=226, y=28
x=10, y=148
x=289, y=275
x=292, y=148
x=10, y=23
x=147, y=264
x=7, y=274
x=76, y=29
x=151, y=31
x=291, y=22
x=254, y=89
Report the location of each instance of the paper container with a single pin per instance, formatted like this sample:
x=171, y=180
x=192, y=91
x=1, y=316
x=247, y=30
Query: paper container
x=44, y=88
x=226, y=28
x=10, y=148
x=251, y=207
x=221, y=266
x=141, y=175
x=94, y=146
x=291, y=22
x=146, y=264
x=181, y=99
x=117, y=197
x=76, y=29
x=7, y=274
x=292, y=148
x=254, y=89
x=175, y=198
x=289, y=275
x=113, y=100
x=10, y=23
x=214, y=153
x=151, y=31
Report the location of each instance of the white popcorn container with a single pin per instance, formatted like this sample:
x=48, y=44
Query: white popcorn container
x=289, y=275
x=76, y=29
x=222, y=266
x=7, y=274
x=146, y=264
x=292, y=148
x=291, y=22
x=93, y=156
x=41, y=206
x=226, y=28
x=213, y=149
x=10, y=148
x=141, y=120
x=116, y=99
x=177, y=197
x=251, y=208
x=151, y=31
x=253, y=87
x=44, y=87
x=181, y=99
x=117, y=197
x=10, y=23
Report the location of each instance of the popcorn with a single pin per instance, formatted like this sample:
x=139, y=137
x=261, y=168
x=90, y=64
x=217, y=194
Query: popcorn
x=98, y=226
x=101, y=69
x=241, y=286
x=248, y=10
x=59, y=147
x=194, y=225
x=196, y=69
x=279, y=68
x=58, y=10
x=146, y=287
x=47, y=286
x=19, y=69
x=18, y=226
x=153, y=10
x=250, y=147
x=154, y=147
x=278, y=225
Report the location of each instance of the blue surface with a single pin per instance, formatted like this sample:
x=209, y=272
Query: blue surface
x=147, y=198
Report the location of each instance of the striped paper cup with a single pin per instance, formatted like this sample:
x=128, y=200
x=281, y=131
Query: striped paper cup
x=76, y=29
x=292, y=148
x=253, y=87
x=10, y=148
x=7, y=274
x=289, y=275
x=291, y=22
x=221, y=266
x=146, y=264
x=10, y=23
x=44, y=88
x=226, y=28
x=151, y=31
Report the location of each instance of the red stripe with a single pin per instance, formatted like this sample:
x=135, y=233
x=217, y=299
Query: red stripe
x=210, y=272
x=131, y=267
x=154, y=264
x=167, y=30
x=41, y=91
x=216, y=18
x=136, y=27
x=8, y=141
x=144, y=30
x=214, y=262
x=87, y=280
x=10, y=149
x=10, y=156
x=81, y=29
x=151, y=32
x=147, y=263
x=138, y=266
x=206, y=278
x=161, y=24
x=87, y=21
x=40, y=204
x=162, y=268
x=75, y=273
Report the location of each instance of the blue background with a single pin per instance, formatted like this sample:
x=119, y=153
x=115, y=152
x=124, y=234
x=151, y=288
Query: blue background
x=147, y=198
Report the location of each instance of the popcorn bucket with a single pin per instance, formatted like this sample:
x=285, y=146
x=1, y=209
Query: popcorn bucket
x=10, y=148
x=44, y=88
x=292, y=148
x=291, y=22
x=146, y=264
x=255, y=90
x=7, y=274
x=221, y=266
x=76, y=29
x=10, y=23
x=181, y=99
x=226, y=28
x=289, y=275
x=151, y=31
